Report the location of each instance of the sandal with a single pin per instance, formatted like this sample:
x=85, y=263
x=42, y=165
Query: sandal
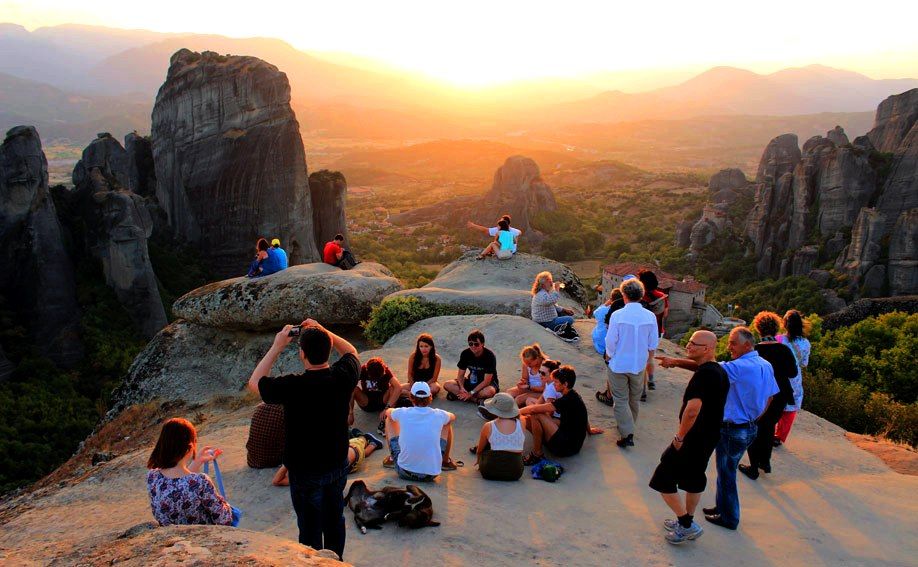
x=605, y=398
x=388, y=462
x=473, y=449
x=532, y=459
x=451, y=465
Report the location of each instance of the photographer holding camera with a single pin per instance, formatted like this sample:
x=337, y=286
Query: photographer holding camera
x=315, y=452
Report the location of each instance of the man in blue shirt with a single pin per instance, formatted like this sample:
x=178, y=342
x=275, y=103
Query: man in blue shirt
x=752, y=386
x=281, y=254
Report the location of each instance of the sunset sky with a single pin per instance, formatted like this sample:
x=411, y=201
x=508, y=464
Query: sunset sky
x=480, y=42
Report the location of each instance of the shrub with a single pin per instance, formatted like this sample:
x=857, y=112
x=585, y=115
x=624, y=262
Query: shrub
x=397, y=314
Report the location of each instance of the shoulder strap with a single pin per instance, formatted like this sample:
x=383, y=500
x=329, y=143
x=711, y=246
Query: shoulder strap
x=217, y=477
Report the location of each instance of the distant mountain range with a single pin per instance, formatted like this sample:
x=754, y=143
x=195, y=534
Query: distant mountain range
x=74, y=80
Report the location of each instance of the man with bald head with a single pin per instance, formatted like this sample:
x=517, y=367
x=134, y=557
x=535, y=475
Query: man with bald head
x=752, y=386
x=685, y=460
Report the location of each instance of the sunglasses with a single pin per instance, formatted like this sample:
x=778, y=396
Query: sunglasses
x=543, y=373
x=474, y=344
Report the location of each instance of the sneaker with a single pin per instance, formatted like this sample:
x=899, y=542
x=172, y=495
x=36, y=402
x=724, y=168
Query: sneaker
x=626, y=441
x=644, y=397
x=388, y=462
x=710, y=511
x=484, y=414
x=651, y=385
x=373, y=440
x=681, y=535
x=670, y=524
x=354, y=432
x=775, y=442
x=382, y=426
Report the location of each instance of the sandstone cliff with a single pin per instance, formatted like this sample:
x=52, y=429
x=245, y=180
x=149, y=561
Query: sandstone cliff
x=329, y=195
x=230, y=163
x=36, y=272
x=118, y=224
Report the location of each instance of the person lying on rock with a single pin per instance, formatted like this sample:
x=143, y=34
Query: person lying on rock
x=261, y=254
x=360, y=446
x=420, y=438
x=476, y=379
x=424, y=365
x=377, y=390
x=492, y=231
x=503, y=244
x=565, y=437
x=545, y=310
x=179, y=494
x=337, y=255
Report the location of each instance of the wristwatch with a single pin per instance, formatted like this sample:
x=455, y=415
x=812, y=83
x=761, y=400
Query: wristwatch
x=679, y=439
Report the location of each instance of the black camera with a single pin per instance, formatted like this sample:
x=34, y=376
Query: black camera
x=295, y=331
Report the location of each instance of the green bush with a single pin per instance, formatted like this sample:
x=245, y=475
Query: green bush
x=564, y=248
x=397, y=314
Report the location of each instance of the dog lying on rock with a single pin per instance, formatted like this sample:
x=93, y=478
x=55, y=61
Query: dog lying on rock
x=408, y=506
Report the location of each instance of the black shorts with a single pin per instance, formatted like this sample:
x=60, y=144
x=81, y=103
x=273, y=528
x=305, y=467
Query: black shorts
x=561, y=446
x=375, y=401
x=469, y=386
x=683, y=469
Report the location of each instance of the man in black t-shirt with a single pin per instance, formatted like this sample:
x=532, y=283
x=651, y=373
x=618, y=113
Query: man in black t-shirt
x=476, y=380
x=684, y=462
x=316, y=444
x=564, y=438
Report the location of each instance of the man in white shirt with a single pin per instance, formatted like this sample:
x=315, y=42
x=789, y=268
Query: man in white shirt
x=420, y=437
x=630, y=342
x=492, y=231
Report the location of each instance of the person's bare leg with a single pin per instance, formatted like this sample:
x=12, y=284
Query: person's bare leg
x=392, y=430
x=280, y=477
x=392, y=395
x=447, y=433
x=434, y=389
x=521, y=399
x=515, y=391
x=532, y=401
x=369, y=450
x=484, y=394
x=675, y=503
x=406, y=389
x=352, y=456
x=452, y=386
x=547, y=424
x=350, y=415
x=535, y=427
x=691, y=502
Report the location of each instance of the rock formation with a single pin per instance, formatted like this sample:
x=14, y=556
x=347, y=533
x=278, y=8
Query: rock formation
x=230, y=163
x=864, y=308
x=498, y=286
x=837, y=136
x=329, y=195
x=118, y=224
x=318, y=291
x=903, y=255
x=780, y=157
x=517, y=190
x=726, y=184
x=895, y=117
x=36, y=272
x=140, y=168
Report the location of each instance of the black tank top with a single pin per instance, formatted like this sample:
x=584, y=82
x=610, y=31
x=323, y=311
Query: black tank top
x=424, y=374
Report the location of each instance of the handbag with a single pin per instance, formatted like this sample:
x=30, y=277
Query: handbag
x=237, y=513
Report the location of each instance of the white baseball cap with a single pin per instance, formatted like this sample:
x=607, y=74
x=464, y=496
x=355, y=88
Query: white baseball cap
x=420, y=390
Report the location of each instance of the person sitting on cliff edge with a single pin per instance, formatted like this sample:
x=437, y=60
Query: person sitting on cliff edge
x=281, y=254
x=336, y=254
x=492, y=231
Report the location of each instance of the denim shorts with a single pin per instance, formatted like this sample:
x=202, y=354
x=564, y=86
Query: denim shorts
x=394, y=449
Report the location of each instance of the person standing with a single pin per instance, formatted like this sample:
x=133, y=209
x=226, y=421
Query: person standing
x=752, y=386
x=316, y=434
x=795, y=337
x=631, y=340
x=657, y=303
x=684, y=462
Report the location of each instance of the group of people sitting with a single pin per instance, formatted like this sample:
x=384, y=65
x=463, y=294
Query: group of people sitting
x=506, y=238
x=748, y=403
x=272, y=259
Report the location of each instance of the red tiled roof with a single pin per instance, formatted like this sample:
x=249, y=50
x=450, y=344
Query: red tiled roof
x=667, y=281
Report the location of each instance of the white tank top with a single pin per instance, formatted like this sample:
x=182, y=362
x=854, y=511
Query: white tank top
x=535, y=379
x=512, y=442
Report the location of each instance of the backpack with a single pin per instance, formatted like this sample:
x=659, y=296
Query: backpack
x=566, y=332
x=657, y=306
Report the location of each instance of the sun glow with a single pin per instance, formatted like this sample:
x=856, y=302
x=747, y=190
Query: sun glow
x=476, y=43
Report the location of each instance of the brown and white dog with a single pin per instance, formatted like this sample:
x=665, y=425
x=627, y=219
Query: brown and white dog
x=408, y=506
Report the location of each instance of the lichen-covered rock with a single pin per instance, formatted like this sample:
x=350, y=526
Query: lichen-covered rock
x=230, y=163
x=118, y=224
x=498, y=286
x=318, y=291
x=36, y=272
x=903, y=255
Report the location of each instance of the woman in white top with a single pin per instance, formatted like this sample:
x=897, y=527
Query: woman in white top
x=795, y=330
x=503, y=244
x=548, y=393
x=500, y=444
x=531, y=383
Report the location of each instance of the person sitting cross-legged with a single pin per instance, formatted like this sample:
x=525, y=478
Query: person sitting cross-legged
x=499, y=452
x=564, y=438
x=360, y=446
x=377, y=389
x=477, y=377
x=420, y=437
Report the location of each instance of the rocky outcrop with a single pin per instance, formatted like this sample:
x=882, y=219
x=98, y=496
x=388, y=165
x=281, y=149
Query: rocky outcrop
x=837, y=136
x=903, y=255
x=140, y=169
x=118, y=224
x=329, y=195
x=36, y=272
x=725, y=185
x=895, y=117
x=517, y=190
x=230, y=163
x=864, y=308
x=865, y=247
x=498, y=286
x=805, y=260
x=900, y=193
x=780, y=157
x=684, y=233
x=319, y=291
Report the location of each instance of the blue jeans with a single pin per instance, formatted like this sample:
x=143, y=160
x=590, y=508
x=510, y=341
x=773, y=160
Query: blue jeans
x=318, y=501
x=733, y=443
x=395, y=449
x=554, y=323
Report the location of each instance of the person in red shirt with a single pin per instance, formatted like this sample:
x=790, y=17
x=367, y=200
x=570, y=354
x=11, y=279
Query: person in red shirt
x=336, y=254
x=658, y=303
